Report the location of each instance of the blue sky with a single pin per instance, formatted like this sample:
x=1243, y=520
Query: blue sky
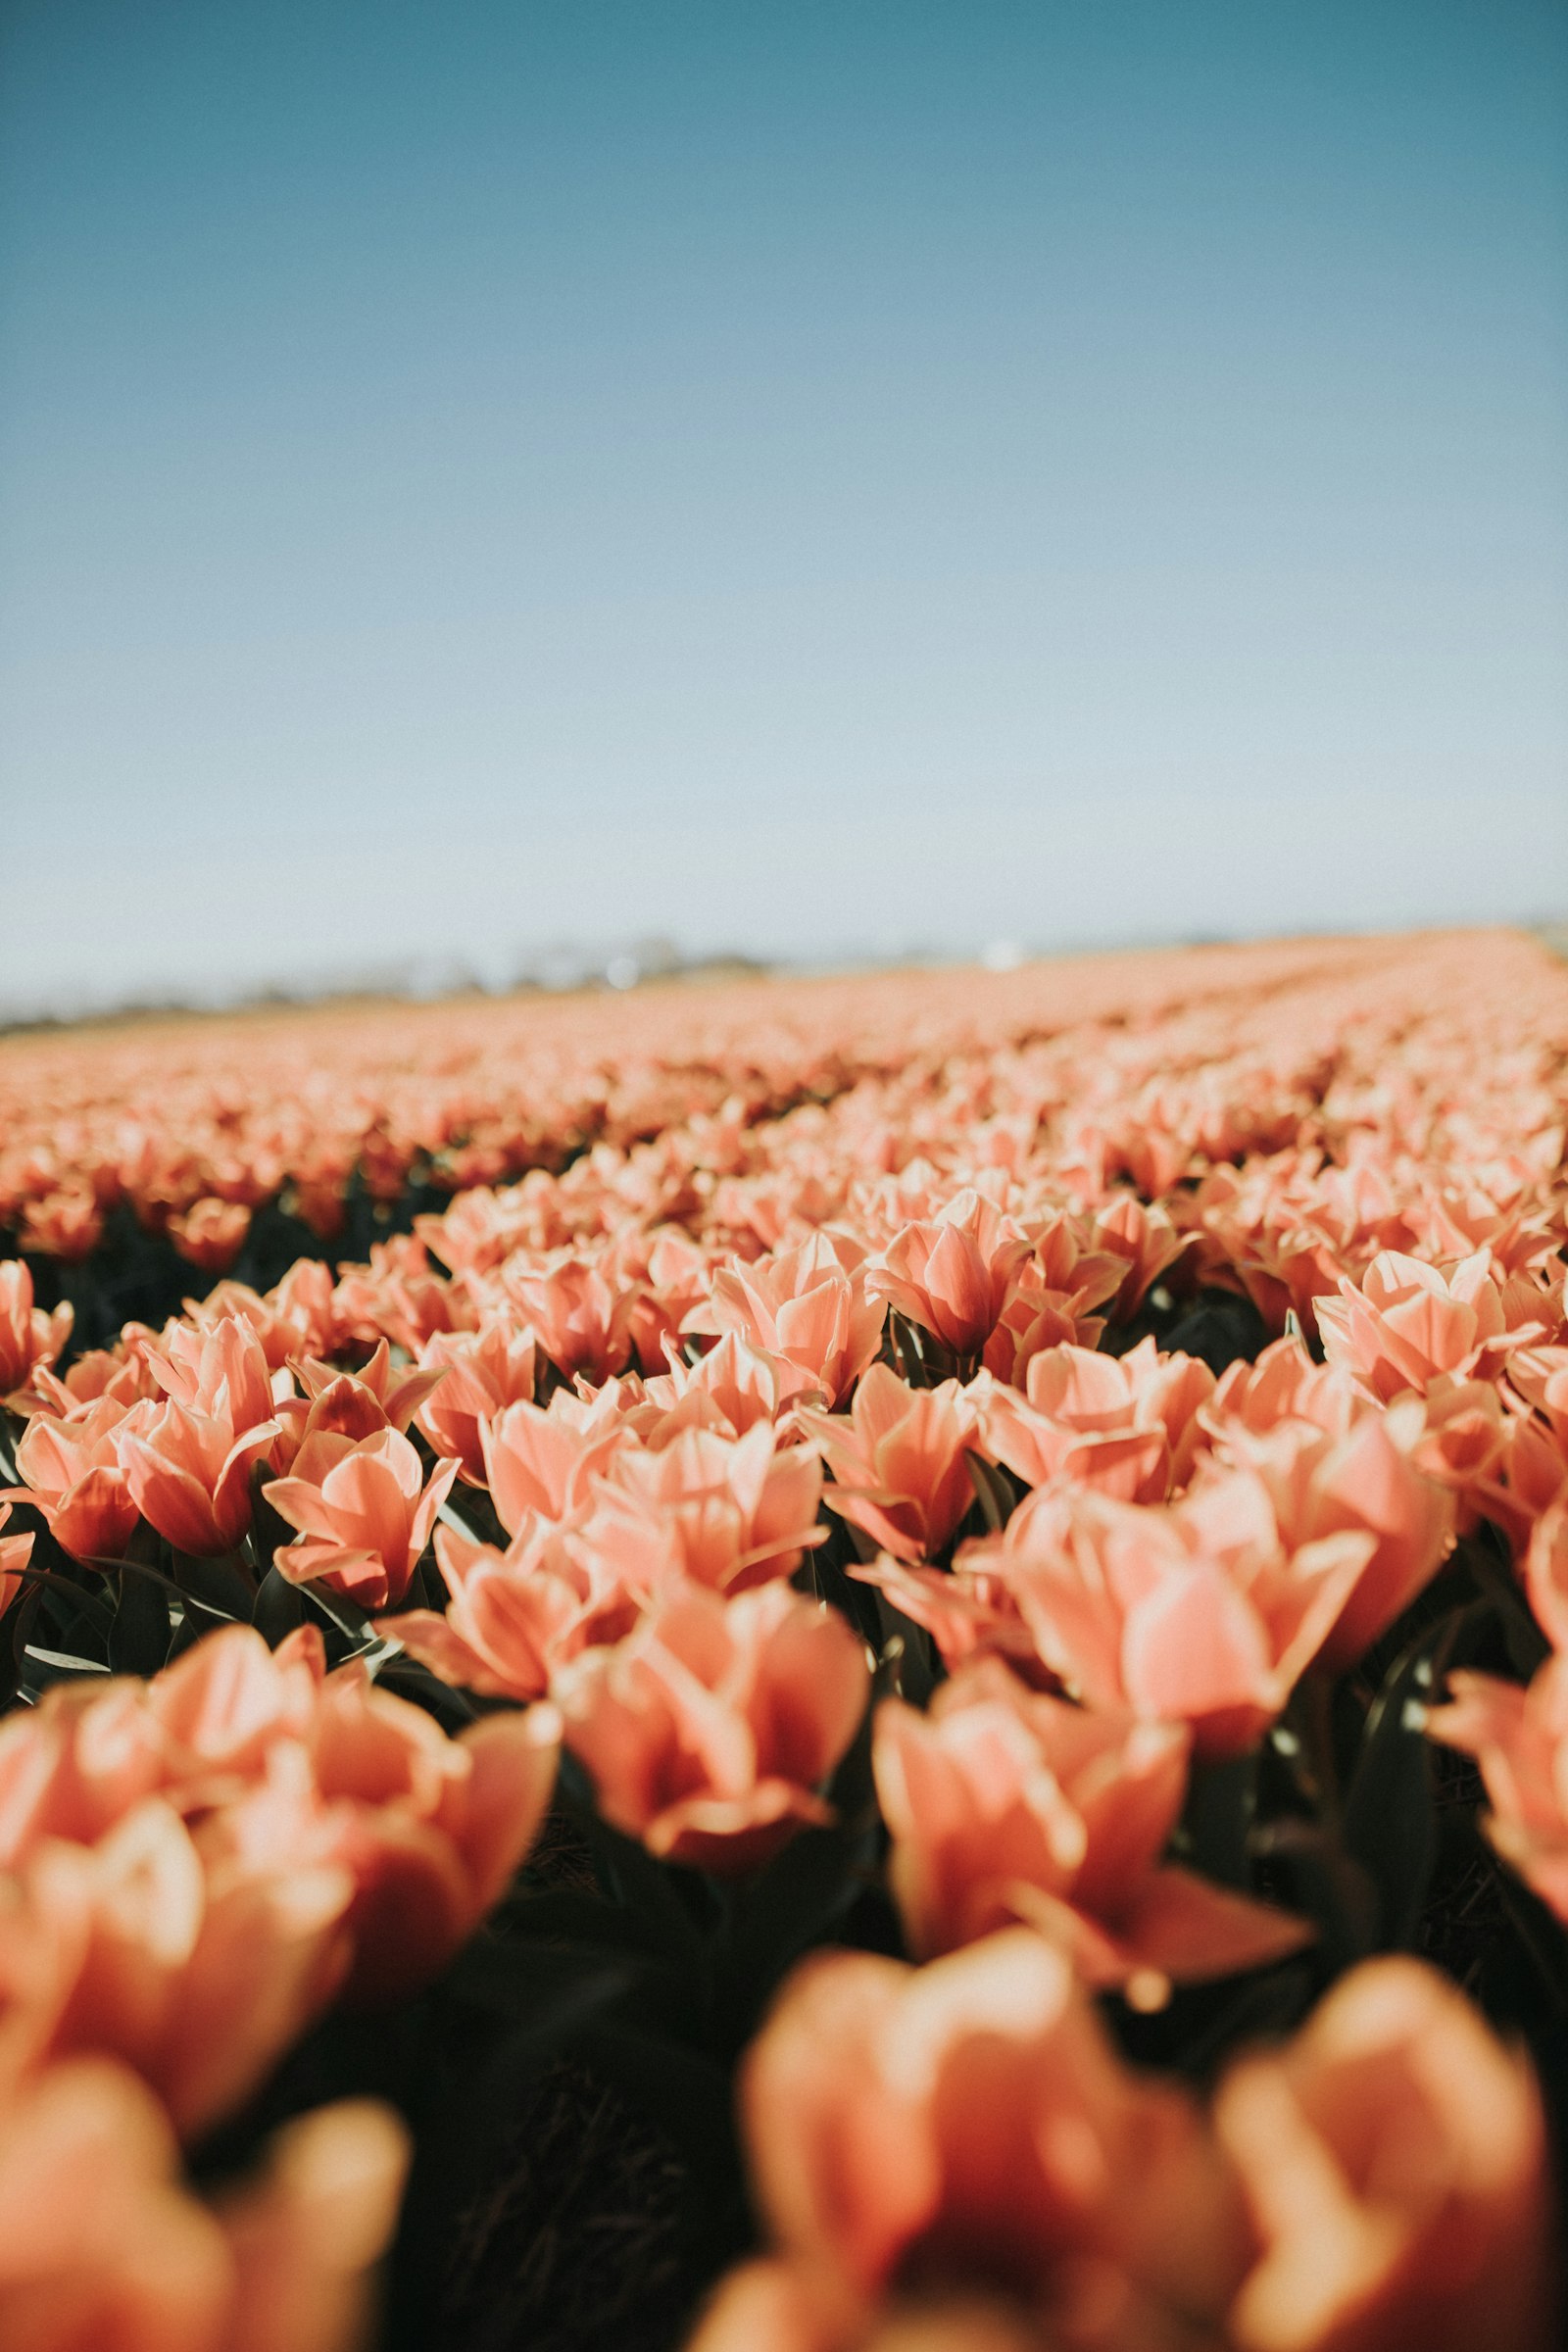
x=817, y=478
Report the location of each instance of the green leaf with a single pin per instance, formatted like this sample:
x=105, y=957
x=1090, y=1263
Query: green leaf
x=802, y=1896
x=1221, y=1804
x=1327, y=1884
x=1388, y=1826
x=138, y=1637
x=280, y=1609
x=993, y=1491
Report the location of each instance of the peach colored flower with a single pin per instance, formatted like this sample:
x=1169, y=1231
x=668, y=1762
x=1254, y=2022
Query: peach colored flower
x=482, y=1373
x=1128, y=1425
x=482, y=1227
x=189, y=1473
x=1394, y=2159
x=304, y=2235
x=1406, y=1322
x=1051, y=1297
x=1031, y=1321
x=709, y=1730
x=70, y=1469
x=731, y=1388
x=516, y=1617
x=1535, y=1450
x=727, y=1512
x=399, y=1392
x=1368, y=1482
x=1004, y=1804
x=211, y=1233
x=365, y=1512
x=1145, y=1238
x=967, y=2127
x=120, y=1373
x=667, y=1274
x=290, y=1784
x=220, y=1372
x=951, y=1274
x=1196, y=1613
x=1283, y=1384
x=802, y=1309
x=1519, y=1738
x=209, y=1720
x=1541, y=1377
x=101, y=2247
x=430, y=1829
x=540, y=1462
x=296, y=1317
x=67, y=1224
x=346, y=1404
x=14, y=1553
x=30, y=1340
x=1534, y=1476
x=580, y=1314
x=965, y=1608
x=195, y=1962
x=1465, y=1447
x=899, y=1461
x=399, y=1297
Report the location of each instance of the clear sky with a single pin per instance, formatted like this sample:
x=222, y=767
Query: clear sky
x=816, y=476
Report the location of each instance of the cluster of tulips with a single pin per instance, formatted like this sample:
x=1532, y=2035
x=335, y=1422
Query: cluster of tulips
x=974, y=1570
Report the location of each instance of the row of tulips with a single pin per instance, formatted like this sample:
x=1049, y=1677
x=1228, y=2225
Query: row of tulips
x=1045, y=1506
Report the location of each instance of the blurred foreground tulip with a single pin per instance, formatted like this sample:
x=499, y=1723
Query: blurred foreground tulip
x=430, y=1829
x=103, y=2250
x=192, y=1868
x=966, y=2128
x=1394, y=2159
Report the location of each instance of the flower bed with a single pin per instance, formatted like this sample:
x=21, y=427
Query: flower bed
x=871, y=1663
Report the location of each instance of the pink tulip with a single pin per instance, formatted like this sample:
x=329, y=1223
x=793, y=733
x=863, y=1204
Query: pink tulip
x=30, y=1340
x=967, y=2127
x=951, y=1274
x=899, y=1461
x=710, y=1730
x=102, y=2245
x=363, y=1510
x=1004, y=1804
x=802, y=1309
x=1393, y=2160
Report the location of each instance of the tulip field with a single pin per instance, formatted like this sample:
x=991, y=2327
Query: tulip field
x=873, y=1664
